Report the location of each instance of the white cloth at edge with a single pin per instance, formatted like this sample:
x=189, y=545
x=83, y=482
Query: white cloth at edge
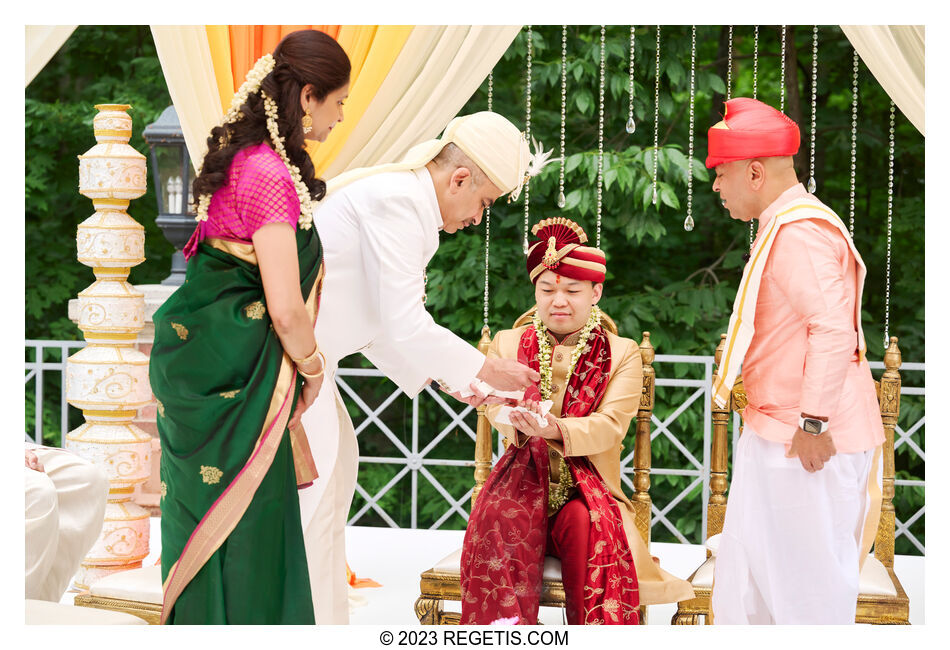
x=65, y=505
x=789, y=551
x=504, y=413
x=378, y=234
x=895, y=55
x=42, y=43
x=487, y=389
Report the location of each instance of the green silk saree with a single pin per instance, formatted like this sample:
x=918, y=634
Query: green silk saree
x=232, y=542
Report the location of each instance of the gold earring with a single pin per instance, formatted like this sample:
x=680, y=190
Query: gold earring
x=307, y=122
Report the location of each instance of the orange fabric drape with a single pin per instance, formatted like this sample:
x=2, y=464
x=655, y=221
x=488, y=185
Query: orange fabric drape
x=251, y=42
x=372, y=50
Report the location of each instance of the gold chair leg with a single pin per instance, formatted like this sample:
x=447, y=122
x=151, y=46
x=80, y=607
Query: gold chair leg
x=428, y=611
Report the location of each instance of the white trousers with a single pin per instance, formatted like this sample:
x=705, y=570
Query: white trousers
x=65, y=505
x=325, y=506
x=791, y=540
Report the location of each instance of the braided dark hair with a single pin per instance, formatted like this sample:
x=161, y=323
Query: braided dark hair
x=302, y=57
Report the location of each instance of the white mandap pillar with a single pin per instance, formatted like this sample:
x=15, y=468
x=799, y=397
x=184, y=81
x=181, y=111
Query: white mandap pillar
x=108, y=379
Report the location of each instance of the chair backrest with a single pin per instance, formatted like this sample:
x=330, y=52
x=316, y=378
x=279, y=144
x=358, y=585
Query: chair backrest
x=641, y=456
x=889, y=401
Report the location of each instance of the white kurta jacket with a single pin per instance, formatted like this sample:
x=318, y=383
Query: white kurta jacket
x=378, y=235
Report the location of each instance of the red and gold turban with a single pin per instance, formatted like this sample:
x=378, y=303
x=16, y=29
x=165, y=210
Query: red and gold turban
x=560, y=248
x=751, y=129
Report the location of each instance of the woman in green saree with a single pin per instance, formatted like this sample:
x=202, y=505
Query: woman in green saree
x=235, y=363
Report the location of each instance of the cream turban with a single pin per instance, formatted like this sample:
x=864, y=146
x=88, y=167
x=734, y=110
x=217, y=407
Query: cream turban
x=491, y=141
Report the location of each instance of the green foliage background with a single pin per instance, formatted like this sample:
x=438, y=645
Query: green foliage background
x=678, y=285
x=96, y=65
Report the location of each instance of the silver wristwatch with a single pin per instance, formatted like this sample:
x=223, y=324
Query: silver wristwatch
x=813, y=426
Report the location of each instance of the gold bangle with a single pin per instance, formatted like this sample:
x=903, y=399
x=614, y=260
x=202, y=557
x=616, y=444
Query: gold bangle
x=323, y=367
x=310, y=357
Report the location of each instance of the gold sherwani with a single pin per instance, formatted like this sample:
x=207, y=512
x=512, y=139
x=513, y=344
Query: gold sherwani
x=600, y=438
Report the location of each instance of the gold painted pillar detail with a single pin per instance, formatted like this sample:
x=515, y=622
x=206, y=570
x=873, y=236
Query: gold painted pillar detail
x=108, y=379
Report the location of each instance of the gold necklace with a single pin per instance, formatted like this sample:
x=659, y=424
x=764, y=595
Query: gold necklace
x=558, y=493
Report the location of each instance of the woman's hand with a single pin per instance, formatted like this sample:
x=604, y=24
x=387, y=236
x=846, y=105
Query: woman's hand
x=309, y=392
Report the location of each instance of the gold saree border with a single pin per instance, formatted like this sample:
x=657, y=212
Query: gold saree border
x=241, y=250
x=304, y=465
x=224, y=515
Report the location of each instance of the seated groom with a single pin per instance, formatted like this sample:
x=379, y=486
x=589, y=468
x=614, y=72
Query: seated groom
x=556, y=490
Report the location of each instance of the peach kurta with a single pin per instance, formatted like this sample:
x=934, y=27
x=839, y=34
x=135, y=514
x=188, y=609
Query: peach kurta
x=804, y=355
x=599, y=437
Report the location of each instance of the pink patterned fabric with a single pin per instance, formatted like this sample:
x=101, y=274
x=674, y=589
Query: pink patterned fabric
x=259, y=191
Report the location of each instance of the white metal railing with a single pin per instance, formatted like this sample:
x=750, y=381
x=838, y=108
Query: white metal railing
x=36, y=370
x=414, y=461
x=417, y=457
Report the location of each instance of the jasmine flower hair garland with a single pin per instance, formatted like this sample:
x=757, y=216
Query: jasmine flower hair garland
x=252, y=85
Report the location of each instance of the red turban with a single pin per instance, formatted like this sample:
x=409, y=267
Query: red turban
x=559, y=248
x=751, y=129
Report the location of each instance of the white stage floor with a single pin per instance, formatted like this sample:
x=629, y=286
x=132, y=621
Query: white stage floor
x=394, y=557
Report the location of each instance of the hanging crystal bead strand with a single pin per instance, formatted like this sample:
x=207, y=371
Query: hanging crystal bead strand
x=781, y=103
x=729, y=68
x=755, y=94
x=688, y=224
x=561, y=200
x=600, y=130
x=854, y=138
x=755, y=64
x=487, y=220
x=890, y=206
x=656, y=114
x=812, y=185
x=631, y=125
x=527, y=135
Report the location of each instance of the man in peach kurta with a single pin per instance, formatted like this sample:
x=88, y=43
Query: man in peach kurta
x=805, y=467
x=568, y=278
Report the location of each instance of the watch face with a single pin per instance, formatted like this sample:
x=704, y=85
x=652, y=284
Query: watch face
x=811, y=426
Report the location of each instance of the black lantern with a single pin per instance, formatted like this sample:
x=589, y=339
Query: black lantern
x=173, y=176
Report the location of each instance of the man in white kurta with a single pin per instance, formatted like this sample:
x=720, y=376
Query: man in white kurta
x=379, y=228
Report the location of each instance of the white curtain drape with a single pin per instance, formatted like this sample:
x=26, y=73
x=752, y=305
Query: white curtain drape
x=437, y=71
x=895, y=55
x=186, y=62
x=42, y=42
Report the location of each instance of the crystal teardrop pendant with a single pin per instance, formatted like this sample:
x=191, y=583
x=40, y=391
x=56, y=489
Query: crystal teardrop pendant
x=812, y=185
x=688, y=224
x=654, y=196
x=631, y=126
x=525, y=245
x=561, y=201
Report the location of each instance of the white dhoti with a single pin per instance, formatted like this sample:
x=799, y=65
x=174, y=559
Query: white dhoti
x=65, y=505
x=791, y=542
x=325, y=506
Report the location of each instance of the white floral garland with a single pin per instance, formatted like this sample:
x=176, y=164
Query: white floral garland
x=558, y=493
x=251, y=85
x=544, y=349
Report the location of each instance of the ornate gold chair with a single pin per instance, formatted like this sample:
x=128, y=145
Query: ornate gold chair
x=443, y=581
x=136, y=591
x=881, y=598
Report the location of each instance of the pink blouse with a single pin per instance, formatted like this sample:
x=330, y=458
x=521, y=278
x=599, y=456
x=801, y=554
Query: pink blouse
x=259, y=191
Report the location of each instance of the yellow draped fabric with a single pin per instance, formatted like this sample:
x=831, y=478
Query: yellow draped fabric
x=372, y=50
x=407, y=82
